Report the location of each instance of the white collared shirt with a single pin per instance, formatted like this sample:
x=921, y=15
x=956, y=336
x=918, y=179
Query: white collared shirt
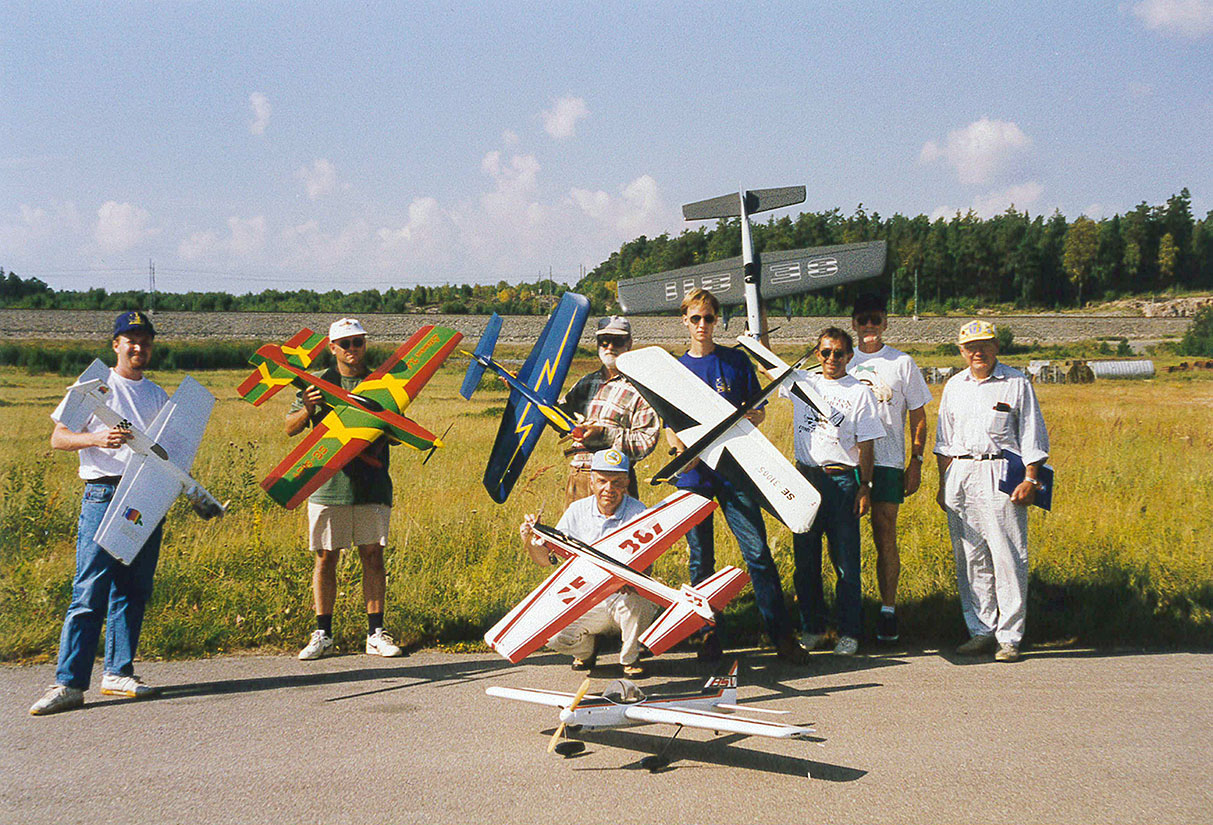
x=585, y=522
x=985, y=417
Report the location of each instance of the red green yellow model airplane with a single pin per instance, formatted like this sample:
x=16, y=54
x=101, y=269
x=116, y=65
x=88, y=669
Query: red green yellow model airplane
x=356, y=418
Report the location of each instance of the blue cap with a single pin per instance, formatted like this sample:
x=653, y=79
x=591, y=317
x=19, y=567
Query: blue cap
x=610, y=461
x=133, y=321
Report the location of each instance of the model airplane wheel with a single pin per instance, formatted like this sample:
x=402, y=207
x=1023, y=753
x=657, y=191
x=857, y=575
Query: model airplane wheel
x=569, y=747
x=654, y=763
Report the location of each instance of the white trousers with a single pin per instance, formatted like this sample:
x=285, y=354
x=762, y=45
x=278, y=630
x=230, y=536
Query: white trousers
x=990, y=544
x=624, y=610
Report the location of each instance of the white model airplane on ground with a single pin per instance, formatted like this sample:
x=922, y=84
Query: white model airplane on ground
x=158, y=469
x=623, y=704
x=617, y=559
x=711, y=427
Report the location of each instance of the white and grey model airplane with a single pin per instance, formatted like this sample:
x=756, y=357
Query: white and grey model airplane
x=623, y=703
x=719, y=435
x=158, y=468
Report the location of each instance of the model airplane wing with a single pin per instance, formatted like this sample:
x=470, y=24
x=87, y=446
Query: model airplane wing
x=693, y=409
x=550, y=698
x=710, y=720
x=300, y=351
x=585, y=580
x=543, y=374
x=400, y=378
x=803, y=390
x=781, y=274
x=335, y=441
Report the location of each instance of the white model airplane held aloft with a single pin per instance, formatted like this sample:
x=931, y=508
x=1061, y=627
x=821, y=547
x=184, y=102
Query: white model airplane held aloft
x=804, y=390
x=712, y=428
x=593, y=572
x=158, y=468
x=623, y=703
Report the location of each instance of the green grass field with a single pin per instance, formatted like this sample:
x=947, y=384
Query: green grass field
x=1124, y=559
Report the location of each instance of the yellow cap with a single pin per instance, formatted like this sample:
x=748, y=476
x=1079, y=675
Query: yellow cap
x=976, y=331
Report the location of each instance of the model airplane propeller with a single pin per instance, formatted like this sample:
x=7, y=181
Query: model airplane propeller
x=356, y=418
x=623, y=703
x=158, y=468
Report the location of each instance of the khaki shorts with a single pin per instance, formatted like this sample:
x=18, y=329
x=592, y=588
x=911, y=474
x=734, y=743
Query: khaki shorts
x=338, y=526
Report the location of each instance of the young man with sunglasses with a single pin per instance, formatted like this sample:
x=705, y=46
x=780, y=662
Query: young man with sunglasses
x=615, y=414
x=837, y=461
x=351, y=509
x=901, y=393
x=730, y=373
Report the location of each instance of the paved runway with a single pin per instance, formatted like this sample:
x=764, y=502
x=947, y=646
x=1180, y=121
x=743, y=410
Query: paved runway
x=1064, y=736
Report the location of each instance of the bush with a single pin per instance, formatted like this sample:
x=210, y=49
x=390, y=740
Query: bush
x=1006, y=339
x=1198, y=340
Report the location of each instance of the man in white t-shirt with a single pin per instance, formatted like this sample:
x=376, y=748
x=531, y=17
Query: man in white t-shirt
x=104, y=589
x=837, y=461
x=901, y=393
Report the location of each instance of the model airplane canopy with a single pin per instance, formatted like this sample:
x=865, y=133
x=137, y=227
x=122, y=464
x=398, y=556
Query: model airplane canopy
x=158, y=468
x=594, y=572
x=694, y=410
x=533, y=391
x=355, y=419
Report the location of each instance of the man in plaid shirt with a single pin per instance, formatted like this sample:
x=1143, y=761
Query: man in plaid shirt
x=615, y=414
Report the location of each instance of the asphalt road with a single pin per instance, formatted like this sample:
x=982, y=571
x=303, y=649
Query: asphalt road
x=1063, y=736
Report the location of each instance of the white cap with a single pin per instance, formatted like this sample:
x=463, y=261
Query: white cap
x=345, y=328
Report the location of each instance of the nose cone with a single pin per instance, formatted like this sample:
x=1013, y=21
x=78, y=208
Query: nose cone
x=566, y=716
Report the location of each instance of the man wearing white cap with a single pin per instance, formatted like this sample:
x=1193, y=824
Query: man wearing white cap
x=615, y=414
x=351, y=509
x=588, y=519
x=986, y=409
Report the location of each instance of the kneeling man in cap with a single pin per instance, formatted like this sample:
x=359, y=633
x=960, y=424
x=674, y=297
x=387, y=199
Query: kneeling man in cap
x=588, y=519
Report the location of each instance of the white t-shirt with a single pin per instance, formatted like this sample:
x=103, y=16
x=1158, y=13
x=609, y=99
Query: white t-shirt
x=819, y=442
x=898, y=386
x=137, y=401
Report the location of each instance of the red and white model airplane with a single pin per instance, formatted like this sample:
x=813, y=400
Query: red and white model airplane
x=623, y=704
x=594, y=572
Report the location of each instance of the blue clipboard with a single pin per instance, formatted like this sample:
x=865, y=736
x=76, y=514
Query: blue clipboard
x=1013, y=475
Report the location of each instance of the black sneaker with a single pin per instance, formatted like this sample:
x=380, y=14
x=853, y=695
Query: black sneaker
x=886, y=628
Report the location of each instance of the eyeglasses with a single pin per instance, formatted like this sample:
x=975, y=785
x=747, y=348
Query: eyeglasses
x=707, y=319
x=874, y=320
x=351, y=343
x=616, y=341
x=828, y=353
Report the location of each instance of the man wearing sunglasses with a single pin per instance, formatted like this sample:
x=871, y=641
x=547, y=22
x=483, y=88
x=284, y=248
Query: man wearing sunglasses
x=730, y=373
x=837, y=461
x=615, y=415
x=351, y=509
x=900, y=392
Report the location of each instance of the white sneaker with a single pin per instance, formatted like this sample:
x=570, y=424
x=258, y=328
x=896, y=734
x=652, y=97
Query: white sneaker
x=114, y=685
x=381, y=644
x=317, y=646
x=847, y=646
x=811, y=641
x=57, y=698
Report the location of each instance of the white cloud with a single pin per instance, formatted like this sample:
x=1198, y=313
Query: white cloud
x=245, y=239
x=1190, y=19
x=308, y=247
x=1021, y=196
x=979, y=151
x=510, y=138
x=261, y=113
x=35, y=229
x=319, y=179
x=638, y=210
x=121, y=226
x=561, y=120
x=1097, y=211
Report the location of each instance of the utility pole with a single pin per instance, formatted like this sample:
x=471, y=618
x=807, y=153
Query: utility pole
x=151, y=287
x=915, y=293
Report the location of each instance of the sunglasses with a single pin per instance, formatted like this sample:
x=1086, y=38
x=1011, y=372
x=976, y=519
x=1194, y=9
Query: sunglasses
x=351, y=343
x=707, y=319
x=828, y=353
x=869, y=320
x=616, y=341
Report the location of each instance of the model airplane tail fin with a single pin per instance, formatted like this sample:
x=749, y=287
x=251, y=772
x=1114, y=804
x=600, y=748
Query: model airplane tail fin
x=726, y=684
x=684, y=617
x=481, y=357
x=300, y=351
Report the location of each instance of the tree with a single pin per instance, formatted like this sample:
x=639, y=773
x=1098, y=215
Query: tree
x=1168, y=259
x=1079, y=252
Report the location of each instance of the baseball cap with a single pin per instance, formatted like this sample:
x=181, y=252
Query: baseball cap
x=345, y=328
x=133, y=321
x=869, y=302
x=615, y=325
x=976, y=331
x=610, y=461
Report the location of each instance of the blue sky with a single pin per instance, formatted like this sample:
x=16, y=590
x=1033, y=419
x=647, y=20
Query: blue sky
x=256, y=145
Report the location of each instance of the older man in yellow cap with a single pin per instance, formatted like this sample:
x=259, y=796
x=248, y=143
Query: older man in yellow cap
x=987, y=409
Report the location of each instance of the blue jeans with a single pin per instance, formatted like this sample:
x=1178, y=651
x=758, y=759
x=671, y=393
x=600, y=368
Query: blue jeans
x=836, y=519
x=104, y=589
x=744, y=517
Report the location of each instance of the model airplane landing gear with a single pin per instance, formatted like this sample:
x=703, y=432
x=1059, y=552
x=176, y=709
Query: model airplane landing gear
x=569, y=747
x=659, y=760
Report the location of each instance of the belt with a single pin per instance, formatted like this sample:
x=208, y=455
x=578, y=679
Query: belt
x=830, y=469
x=978, y=457
x=111, y=481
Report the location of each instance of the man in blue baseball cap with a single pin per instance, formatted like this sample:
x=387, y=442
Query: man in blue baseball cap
x=588, y=519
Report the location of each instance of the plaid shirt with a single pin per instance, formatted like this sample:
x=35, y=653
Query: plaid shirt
x=630, y=424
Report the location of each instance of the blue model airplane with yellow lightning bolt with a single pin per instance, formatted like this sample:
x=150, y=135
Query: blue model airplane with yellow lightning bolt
x=533, y=391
